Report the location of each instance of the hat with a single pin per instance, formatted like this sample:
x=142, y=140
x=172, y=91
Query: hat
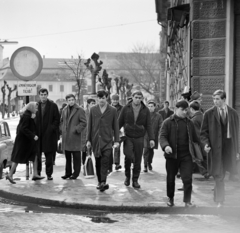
x=195, y=96
x=182, y=104
x=115, y=97
x=151, y=102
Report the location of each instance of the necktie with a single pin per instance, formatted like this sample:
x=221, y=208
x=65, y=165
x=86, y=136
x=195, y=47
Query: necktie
x=222, y=113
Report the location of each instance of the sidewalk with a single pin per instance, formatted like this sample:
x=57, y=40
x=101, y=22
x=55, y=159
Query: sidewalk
x=82, y=193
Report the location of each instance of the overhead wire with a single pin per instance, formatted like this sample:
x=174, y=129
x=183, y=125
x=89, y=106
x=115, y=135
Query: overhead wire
x=80, y=30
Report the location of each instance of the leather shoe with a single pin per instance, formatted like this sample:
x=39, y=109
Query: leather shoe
x=127, y=181
x=50, y=178
x=103, y=187
x=136, y=185
x=65, y=177
x=72, y=177
x=98, y=186
x=37, y=178
x=170, y=202
x=117, y=167
x=150, y=167
x=189, y=205
x=10, y=179
x=145, y=169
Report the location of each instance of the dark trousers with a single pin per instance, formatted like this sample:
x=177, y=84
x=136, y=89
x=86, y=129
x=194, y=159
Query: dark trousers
x=76, y=163
x=219, y=189
x=184, y=165
x=84, y=155
x=48, y=163
x=102, y=165
x=148, y=156
x=133, y=150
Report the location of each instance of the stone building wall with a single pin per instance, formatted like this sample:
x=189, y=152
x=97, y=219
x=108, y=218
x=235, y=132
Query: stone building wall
x=208, y=39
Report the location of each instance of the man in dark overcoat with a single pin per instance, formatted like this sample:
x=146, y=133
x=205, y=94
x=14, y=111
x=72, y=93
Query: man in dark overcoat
x=101, y=131
x=166, y=111
x=47, y=121
x=156, y=120
x=136, y=120
x=219, y=135
x=72, y=123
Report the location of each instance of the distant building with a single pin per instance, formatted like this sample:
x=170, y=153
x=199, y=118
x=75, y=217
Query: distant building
x=59, y=80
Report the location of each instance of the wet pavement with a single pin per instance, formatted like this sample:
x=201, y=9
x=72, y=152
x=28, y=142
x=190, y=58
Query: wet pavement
x=82, y=193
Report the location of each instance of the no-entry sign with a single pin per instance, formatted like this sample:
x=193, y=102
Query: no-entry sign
x=27, y=88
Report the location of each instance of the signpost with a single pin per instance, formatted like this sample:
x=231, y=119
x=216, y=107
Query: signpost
x=26, y=64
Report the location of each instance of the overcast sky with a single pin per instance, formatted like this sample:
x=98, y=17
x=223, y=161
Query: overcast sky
x=65, y=28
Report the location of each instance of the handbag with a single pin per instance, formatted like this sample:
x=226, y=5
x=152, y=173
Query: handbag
x=88, y=170
x=59, y=146
x=197, y=151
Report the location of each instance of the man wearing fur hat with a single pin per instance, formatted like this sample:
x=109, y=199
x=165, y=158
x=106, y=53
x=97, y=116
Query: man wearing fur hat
x=219, y=134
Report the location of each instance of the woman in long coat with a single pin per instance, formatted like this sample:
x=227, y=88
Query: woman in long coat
x=25, y=146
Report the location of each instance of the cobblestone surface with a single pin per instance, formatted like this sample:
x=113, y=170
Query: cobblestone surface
x=15, y=219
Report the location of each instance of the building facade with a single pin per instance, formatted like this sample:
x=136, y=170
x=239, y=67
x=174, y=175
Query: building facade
x=203, y=48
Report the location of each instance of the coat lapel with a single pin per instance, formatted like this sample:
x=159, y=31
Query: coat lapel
x=71, y=115
x=215, y=113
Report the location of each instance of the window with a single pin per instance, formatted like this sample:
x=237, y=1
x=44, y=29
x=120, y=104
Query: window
x=50, y=87
x=73, y=88
x=61, y=88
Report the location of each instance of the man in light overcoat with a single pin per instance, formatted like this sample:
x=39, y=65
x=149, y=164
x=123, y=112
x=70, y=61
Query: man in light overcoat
x=72, y=124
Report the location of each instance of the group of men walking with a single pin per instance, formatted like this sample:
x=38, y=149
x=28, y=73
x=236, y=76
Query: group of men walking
x=97, y=129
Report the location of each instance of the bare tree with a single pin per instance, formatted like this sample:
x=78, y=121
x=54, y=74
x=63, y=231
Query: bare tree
x=10, y=91
x=3, y=89
x=78, y=70
x=142, y=66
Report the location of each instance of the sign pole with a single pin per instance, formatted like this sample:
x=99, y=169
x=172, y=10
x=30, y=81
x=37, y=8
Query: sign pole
x=27, y=164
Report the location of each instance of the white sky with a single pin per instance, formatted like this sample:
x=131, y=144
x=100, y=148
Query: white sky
x=25, y=20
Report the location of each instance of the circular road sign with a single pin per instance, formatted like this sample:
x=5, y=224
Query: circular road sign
x=26, y=63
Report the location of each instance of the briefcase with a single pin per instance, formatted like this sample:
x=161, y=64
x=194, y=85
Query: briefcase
x=88, y=170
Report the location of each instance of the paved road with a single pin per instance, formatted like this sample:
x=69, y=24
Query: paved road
x=16, y=219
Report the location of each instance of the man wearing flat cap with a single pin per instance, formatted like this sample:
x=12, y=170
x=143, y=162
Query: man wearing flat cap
x=176, y=136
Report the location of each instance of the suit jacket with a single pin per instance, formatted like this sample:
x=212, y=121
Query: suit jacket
x=211, y=134
x=102, y=128
x=164, y=114
x=72, y=125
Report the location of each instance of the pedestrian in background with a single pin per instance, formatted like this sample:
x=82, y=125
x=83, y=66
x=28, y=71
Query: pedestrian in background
x=219, y=134
x=156, y=120
x=47, y=121
x=197, y=119
x=166, y=111
x=176, y=137
x=101, y=131
x=72, y=123
x=115, y=157
x=136, y=120
x=25, y=145
x=90, y=103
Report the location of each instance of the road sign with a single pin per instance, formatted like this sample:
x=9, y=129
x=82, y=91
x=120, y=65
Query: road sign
x=26, y=63
x=27, y=88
